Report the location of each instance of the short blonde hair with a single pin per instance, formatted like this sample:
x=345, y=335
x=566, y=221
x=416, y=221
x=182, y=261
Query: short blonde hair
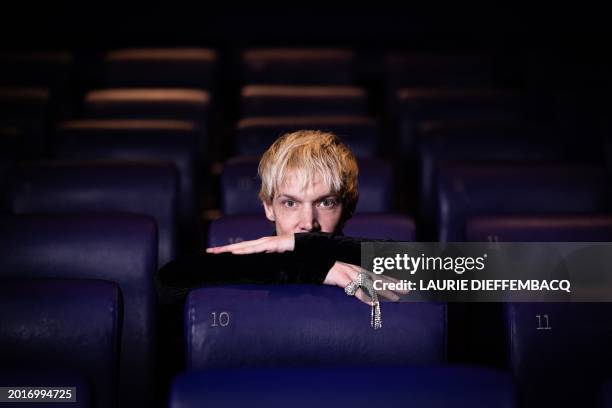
x=305, y=154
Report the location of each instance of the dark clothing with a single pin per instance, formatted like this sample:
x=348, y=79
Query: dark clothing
x=313, y=256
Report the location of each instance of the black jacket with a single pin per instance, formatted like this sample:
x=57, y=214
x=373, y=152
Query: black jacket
x=310, y=261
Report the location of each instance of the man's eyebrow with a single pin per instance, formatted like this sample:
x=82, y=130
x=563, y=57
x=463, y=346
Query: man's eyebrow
x=316, y=199
x=289, y=197
x=326, y=196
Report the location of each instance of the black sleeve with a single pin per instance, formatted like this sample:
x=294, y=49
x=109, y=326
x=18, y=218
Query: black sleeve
x=313, y=256
x=331, y=246
x=177, y=278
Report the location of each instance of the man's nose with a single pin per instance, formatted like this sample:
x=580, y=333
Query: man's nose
x=308, y=221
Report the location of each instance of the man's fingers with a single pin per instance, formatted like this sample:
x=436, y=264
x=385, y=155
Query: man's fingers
x=389, y=295
x=361, y=295
x=237, y=247
x=226, y=248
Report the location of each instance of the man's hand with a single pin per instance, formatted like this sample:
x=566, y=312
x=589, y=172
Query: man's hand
x=341, y=274
x=280, y=243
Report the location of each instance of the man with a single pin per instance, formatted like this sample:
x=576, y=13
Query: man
x=309, y=190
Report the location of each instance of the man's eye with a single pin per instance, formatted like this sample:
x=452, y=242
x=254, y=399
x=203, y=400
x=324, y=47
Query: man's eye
x=328, y=203
x=289, y=203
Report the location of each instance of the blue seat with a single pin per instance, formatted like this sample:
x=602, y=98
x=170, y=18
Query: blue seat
x=100, y=187
x=236, y=228
x=306, y=325
x=417, y=105
x=253, y=136
x=66, y=326
x=230, y=229
x=160, y=67
x=298, y=66
x=118, y=248
x=419, y=387
x=240, y=186
x=560, y=346
x=465, y=190
x=440, y=142
x=300, y=100
x=567, y=349
x=173, y=141
x=381, y=226
x=376, y=184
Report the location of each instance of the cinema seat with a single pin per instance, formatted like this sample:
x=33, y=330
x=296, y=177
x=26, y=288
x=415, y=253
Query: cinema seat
x=569, y=352
x=479, y=143
x=567, y=348
x=68, y=327
x=306, y=325
x=465, y=190
x=417, y=105
x=148, y=103
x=240, y=186
x=117, y=248
x=236, y=228
x=375, y=186
x=100, y=187
x=160, y=67
x=534, y=190
x=253, y=136
x=173, y=141
x=381, y=226
x=419, y=387
x=299, y=100
x=298, y=66
x=230, y=229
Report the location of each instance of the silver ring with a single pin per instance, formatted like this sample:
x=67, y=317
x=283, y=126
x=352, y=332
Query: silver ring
x=361, y=279
x=351, y=288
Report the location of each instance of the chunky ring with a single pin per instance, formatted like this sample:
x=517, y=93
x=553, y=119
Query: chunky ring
x=351, y=288
x=359, y=282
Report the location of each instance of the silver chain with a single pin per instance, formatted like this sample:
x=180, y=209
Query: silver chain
x=367, y=284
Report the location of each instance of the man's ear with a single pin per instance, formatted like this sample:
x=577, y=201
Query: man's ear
x=269, y=211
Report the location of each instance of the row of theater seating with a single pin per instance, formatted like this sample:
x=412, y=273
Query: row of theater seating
x=82, y=349
x=195, y=67
x=462, y=190
x=340, y=109
x=292, y=326
x=459, y=117
x=175, y=83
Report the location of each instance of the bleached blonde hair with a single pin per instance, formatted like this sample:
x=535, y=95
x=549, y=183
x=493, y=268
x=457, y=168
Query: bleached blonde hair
x=305, y=154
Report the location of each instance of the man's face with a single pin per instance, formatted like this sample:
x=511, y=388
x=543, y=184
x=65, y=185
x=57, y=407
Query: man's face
x=311, y=209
